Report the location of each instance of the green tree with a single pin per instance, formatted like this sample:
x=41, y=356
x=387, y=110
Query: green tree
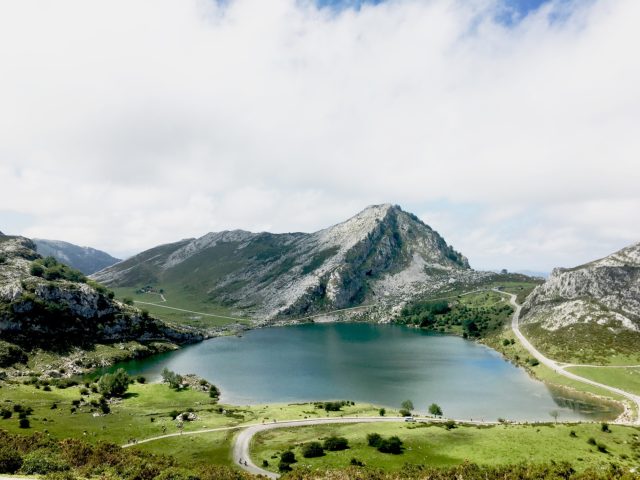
x=391, y=445
x=434, y=409
x=288, y=457
x=334, y=443
x=407, y=405
x=10, y=460
x=382, y=412
x=114, y=384
x=374, y=439
x=172, y=378
x=312, y=449
x=37, y=270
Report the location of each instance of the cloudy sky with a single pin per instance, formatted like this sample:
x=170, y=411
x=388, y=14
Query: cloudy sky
x=510, y=126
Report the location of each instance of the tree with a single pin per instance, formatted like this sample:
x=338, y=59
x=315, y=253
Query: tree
x=312, y=449
x=382, y=412
x=374, y=439
x=114, y=384
x=334, y=443
x=407, y=405
x=391, y=445
x=24, y=423
x=37, y=270
x=434, y=409
x=288, y=457
x=172, y=378
x=554, y=414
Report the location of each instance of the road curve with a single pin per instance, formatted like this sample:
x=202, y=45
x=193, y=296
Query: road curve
x=242, y=443
x=557, y=367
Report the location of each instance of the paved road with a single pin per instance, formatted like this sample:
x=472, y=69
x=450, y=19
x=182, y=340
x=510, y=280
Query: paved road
x=557, y=367
x=242, y=444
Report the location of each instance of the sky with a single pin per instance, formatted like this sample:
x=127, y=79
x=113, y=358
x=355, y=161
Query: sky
x=511, y=127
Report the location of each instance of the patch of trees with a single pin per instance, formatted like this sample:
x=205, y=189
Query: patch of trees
x=50, y=269
x=333, y=406
x=472, y=320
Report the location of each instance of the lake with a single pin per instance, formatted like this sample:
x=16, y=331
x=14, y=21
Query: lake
x=380, y=364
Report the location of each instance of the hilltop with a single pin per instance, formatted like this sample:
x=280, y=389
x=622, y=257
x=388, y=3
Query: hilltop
x=382, y=254
x=86, y=259
x=590, y=312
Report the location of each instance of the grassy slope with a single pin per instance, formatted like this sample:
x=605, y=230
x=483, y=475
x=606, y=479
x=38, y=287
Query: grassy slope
x=436, y=446
x=627, y=379
x=183, y=300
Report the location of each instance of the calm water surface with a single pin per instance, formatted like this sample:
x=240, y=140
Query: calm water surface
x=380, y=364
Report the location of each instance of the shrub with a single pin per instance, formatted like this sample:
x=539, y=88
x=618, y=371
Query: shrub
x=312, y=449
x=265, y=463
x=37, y=270
x=405, y=413
x=214, y=392
x=591, y=441
x=601, y=447
x=605, y=427
x=374, y=439
x=10, y=460
x=382, y=412
x=288, y=457
x=573, y=434
x=140, y=379
x=284, y=467
x=449, y=424
x=42, y=462
x=5, y=413
x=391, y=445
x=114, y=384
x=127, y=301
x=24, y=423
x=172, y=378
x=334, y=443
x=358, y=463
x=434, y=409
x=84, y=391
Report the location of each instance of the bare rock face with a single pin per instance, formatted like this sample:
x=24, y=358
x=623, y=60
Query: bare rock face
x=35, y=312
x=605, y=292
x=381, y=253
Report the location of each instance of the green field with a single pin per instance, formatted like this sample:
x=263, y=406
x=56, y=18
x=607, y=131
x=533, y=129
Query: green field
x=434, y=445
x=627, y=379
x=211, y=315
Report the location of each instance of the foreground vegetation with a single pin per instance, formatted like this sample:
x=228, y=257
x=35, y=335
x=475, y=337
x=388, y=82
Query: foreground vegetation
x=584, y=446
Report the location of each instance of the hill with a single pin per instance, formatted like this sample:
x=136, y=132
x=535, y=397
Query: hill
x=86, y=259
x=590, y=313
x=382, y=254
x=46, y=306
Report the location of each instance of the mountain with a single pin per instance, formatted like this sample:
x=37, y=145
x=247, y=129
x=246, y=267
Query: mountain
x=86, y=259
x=48, y=306
x=381, y=253
x=590, y=312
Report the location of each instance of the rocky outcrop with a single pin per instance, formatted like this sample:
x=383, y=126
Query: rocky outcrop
x=58, y=314
x=605, y=292
x=381, y=253
x=86, y=259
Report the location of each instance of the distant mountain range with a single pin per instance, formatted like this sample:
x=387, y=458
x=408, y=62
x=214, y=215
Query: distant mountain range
x=381, y=253
x=86, y=259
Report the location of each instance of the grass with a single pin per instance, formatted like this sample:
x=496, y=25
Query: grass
x=627, y=379
x=434, y=445
x=183, y=300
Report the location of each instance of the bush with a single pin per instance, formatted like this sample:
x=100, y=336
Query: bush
x=605, y=427
x=214, y=392
x=374, y=439
x=434, y=409
x=382, y=412
x=114, y=384
x=127, y=301
x=284, y=467
x=37, y=270
x=265, y=463
x=42, y=462
x=312, y=449
x=288, y=457
x=405, y=413
x=391, y=445
x=355, y=462
x=24, y=423
x=172, y=378
x=10, y=460
x=450, y=424
x=5, y=413
x=601, y=447
x=140, y=379
x=334, y=443
x=591, y=441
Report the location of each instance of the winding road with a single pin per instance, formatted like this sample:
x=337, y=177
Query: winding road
x=558, y=367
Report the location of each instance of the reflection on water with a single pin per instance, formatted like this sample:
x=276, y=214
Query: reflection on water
x=380, y=364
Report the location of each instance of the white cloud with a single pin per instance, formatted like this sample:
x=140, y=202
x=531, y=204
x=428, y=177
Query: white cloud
x=126, y=124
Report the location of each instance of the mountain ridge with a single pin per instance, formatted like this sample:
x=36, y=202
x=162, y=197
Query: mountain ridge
x=86, y=259
x=380, y=252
